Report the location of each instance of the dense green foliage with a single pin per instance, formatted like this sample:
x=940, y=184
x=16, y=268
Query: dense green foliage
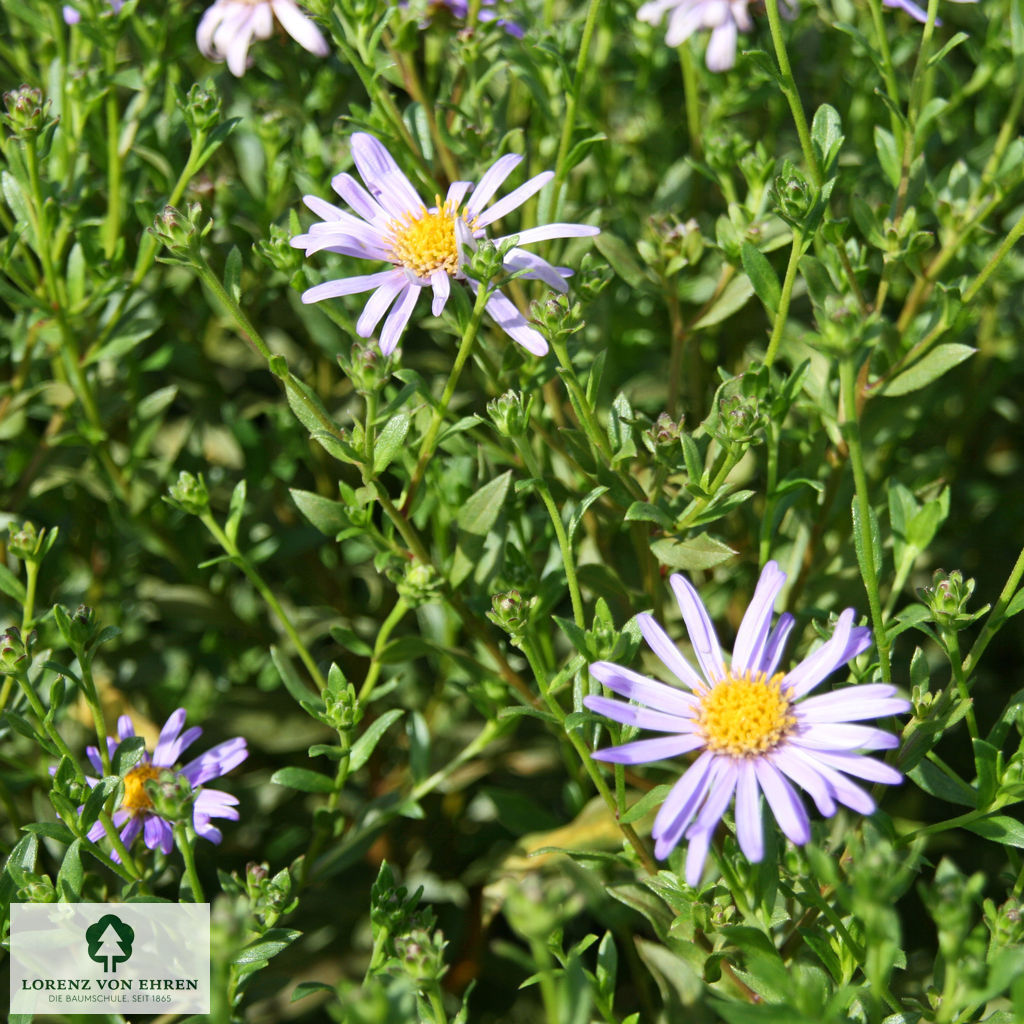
x=794, y=339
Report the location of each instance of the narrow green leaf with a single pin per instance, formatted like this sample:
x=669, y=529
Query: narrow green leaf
x=390, y=441
x=329, y=517
x=11, y=585
x=305, y=780
x=647, y=803
x=365, y=745
x=233, y=274
x=701, y=552
x=482, y=508
x=762, y=277
x=1000, y=829
x=928, y=368
x=71, y=876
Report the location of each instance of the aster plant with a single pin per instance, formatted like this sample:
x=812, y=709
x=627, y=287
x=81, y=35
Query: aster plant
x=228, y=28
x=137, y=813
x=755, y=727
x=427, y=247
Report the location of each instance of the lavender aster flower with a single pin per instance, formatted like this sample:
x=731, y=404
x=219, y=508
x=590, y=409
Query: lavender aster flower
x=136, y=812
x=725, y=18
x=425, y=247
x=755, y=730
x=72, y=16
x=229, y=26
x=916, y=12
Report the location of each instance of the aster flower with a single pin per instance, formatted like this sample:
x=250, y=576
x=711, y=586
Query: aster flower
x=916, y=12
x=425, y=247
x=72, y=16
x=229, y=26
x=755, y=727
x=460, y=9
x=136, y=813
x=725, y=18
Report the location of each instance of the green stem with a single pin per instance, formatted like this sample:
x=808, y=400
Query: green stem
x=850, y=428
x=92, y=699
x=383, y=634
x=726, y=464
x=568, y=562
x=587, y=761
x=692, y=100
x=997, y=257
x=888, y=72
x=996, y=617
x=784, y=299
x=112, y=227
x=31, y=578
x=243, y=563
x=791, y=93
x=548, y=989
x=430, y=438
x=955, y=661
x=569, y=123
x=183, y=837
x=436, y=1004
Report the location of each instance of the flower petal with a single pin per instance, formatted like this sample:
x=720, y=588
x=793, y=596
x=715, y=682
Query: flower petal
x=803, y=772
x=853, y=704
x=217, y=761
x=644, y=751
x=642, y=718
x=787, y=807
x=398, y=319
x=383, y=177
x=514, y=324
x=158, y=834
x=441, y=284
x=699, y=627
x=826, y=659
x=681, y=804
x=844, y=737
x=351, y=286
x=300, y=28
x=514, y=199
x=749, y=830
x=772, y=654
x=667, y=652
x=380, y=302
x=659, y=696
x=752, y=635
x=494, y=177
x=863, y=767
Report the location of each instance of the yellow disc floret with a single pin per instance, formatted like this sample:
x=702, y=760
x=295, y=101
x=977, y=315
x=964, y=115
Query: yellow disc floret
x=424, y=241
x=136, y=799
x=745, y=715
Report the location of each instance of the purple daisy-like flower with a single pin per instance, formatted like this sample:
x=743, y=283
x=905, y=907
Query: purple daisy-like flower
x=227, y=29
x=136, y=813
x=725, y=19
x=916, y=12
x=425, y=247
x=756, y=729
x=72, y=16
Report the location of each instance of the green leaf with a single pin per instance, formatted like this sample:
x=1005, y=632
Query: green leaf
x=1000, y=829
x=644, y=512
x=329, y=517
x=620, y=429
x=292, y=683
x=928, y=368
x=364, y=746
x=826, y=136
x=11, y=585
x=621, y=259
x=70, y=876
x=959, y=38
x=233, y=274
x=110, y=785
x=348, y=639
x=888, y=155
x=268, y=945
x=128, y=754
x=734, y=298
x=577, y=515
x=235, y=510
x=306, y=988
x=645, y=805
x=303, y=779
x=937, y=783
x=762, y=277
x=390, y=441
x=482, y=509
x=986, y=762
x=701, y=552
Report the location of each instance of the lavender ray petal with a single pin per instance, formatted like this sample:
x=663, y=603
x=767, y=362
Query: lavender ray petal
x=380, y=302
x=514, y=199
x=787, y=807
x=642, y=718
x=667, y=653
x=801, y=771
x=535, y=268
x=645, y=751
x=398, y=319
x=721, y=52
x=659, y=696
x=457, y=192
x=823, y=662
x=300, y=28
x=217, y=761
x=696, y=856
x=701, y=631
x=548, y=231
x=360, y=200
x=853, y=704
x=863, y=767
x=514, y=324
x=494, y=177
x=351, y=286
x=168, y=736
x=96, y=833
x=125, y=727
x=752, y=635
x=383, y=177
x=749, y=830
x=441, y=284
x=681, y=804
x=772, y=653
x=845, y=737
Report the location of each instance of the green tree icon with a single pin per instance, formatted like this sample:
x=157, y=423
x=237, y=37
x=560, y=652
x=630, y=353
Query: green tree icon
x=110, y=941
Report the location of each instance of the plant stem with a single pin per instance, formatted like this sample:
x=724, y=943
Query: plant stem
x=996, y=617
x=692, y=100
x=430, y=438
x=243, y=563
x=112, y=226
x=791, y=93
x=997, y=257
x=395, y=616
x=184, y=837
x=787, y=293
x=955, y=661
x=850, y=427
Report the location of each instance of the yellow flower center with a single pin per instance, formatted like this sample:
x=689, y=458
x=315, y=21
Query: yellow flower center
x=745, y=715
x=425, y=241
x=136, y=799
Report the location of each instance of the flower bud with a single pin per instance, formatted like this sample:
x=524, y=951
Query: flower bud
x=510, y=413
x=201, y=109
x=792, y=195
x=16, y=650
x=180, y=234
x=419, y=584
x=189, y=494
x=511, y=613
x=947, y=599
x=343, y=710
x=26, y=113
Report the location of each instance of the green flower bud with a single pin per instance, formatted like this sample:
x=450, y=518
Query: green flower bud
x=557, y=317
x=25, y=542
x=510, y=413
x=343, y=709
x=172, y=796
x=947, y=599
x=420, y=955
x=664, y=433
x=419, y=584
x=179, y=234
x=485, y=260
x=511, y=613
x=26, y=113
x=201, y=109
x=189, y=494
x=16, y=650
x=792, y=195
x=277, y=250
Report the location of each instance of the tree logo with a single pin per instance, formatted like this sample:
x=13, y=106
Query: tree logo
x=110, y=942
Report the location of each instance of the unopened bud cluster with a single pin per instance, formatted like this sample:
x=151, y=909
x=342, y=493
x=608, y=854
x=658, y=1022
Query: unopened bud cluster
x=26, y=113
x=947, y=599
x=510, y=612
x=189, y=494
x=510, y=413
